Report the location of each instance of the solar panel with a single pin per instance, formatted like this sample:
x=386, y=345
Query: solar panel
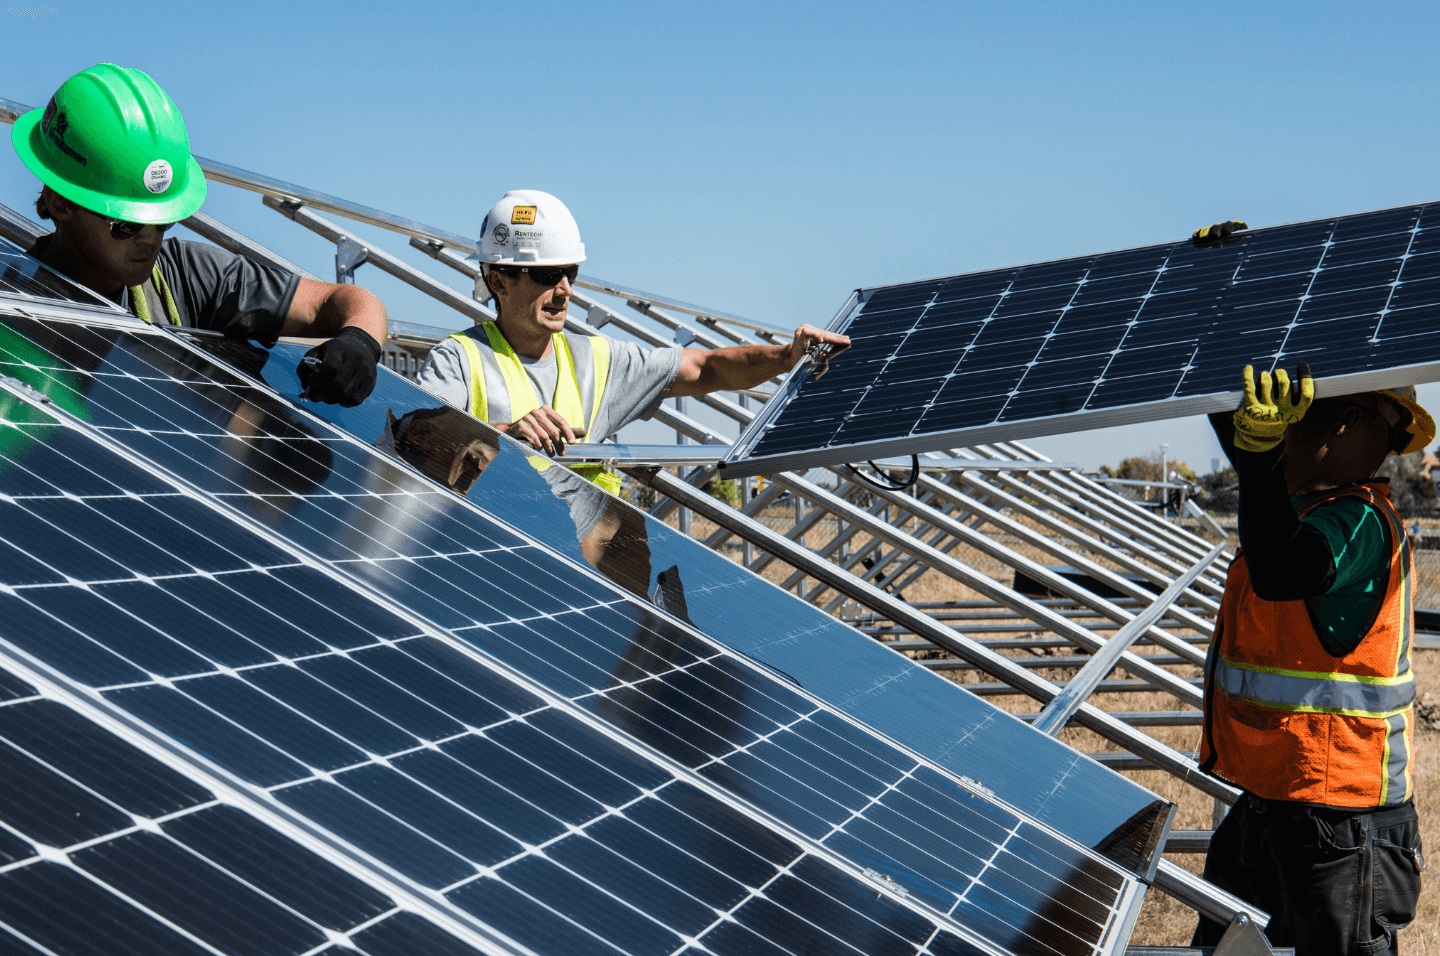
x=903, y=699
x=618, y=783
x=1141, y=334
x=25, y=278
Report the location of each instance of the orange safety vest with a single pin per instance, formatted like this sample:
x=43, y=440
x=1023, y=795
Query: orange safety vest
x=1287, y=721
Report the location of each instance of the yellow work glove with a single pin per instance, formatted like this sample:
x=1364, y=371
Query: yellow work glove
x=1260, y=422
x=1219, y=232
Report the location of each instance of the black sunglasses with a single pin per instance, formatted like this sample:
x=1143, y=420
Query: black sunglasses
x=549, y=275
x=122, y=230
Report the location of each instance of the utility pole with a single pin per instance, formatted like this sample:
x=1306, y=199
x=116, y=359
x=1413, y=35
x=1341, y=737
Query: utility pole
x=1165, y=478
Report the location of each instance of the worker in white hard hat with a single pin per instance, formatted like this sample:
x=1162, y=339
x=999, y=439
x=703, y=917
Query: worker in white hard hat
x=525, y=375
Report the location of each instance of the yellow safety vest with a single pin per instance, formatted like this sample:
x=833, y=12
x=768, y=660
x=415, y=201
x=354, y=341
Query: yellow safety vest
x=523, y=397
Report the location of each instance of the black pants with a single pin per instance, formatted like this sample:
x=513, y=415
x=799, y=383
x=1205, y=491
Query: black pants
x=1335, y=882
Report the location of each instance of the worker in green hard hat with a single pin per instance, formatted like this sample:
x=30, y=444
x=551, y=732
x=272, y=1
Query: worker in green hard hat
x=113, y=155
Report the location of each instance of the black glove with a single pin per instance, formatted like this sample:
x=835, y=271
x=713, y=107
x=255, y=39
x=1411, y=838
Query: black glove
x=342, y=370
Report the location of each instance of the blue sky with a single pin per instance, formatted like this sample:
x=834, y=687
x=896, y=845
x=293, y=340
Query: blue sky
x=767, y=158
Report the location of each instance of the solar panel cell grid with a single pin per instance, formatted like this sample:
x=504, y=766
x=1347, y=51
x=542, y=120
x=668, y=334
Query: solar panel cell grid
x=428, y=804
x=103, y=849
x=378, y=808
x=1176, y=322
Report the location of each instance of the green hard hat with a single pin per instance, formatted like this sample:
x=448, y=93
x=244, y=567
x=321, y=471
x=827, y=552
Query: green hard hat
x=112, y=141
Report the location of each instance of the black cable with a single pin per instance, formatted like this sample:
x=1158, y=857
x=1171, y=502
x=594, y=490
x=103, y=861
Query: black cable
x=889, y=483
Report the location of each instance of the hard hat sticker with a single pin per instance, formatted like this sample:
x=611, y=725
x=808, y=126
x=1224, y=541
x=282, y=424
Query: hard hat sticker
x=158, y=176
x=501, y=233
x=523, y=214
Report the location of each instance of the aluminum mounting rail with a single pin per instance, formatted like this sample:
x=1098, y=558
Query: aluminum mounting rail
x=18, y=229
x=989, y=546
x=1095, y=536
x=351, y=253
x=634, y=456
x=1049, y=546
x=1058, y=712
x=232, y=241
x=1121, y=528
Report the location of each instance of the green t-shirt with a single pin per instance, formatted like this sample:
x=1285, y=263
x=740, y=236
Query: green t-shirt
x=1355, y=532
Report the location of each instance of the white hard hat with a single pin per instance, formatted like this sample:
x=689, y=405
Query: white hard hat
x=529, y=227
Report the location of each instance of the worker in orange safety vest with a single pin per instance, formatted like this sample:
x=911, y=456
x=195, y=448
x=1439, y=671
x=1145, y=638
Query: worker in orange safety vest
x=1309, y=694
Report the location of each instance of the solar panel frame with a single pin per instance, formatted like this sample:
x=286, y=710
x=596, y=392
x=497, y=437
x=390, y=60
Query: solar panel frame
x=1294, y=309
x=215, y=502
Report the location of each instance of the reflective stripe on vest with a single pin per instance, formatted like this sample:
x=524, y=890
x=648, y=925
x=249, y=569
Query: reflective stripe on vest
x=1334, y=693
x=582, y=372
x=1285, y=719
x=1397, y=758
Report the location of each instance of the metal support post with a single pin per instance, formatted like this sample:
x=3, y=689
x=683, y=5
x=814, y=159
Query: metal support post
x=349, y=256
x=1165, y=479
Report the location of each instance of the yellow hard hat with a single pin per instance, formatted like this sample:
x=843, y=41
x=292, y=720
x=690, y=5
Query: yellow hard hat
x=1421, y=428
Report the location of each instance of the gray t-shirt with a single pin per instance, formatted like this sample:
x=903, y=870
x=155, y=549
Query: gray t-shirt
x=636, y=385
x=215, y=289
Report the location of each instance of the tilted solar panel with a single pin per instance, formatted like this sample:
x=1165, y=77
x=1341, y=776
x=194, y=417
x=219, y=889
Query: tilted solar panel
x=1140, y=334
x=623, y=785
x=23, y=278
x=903, y=699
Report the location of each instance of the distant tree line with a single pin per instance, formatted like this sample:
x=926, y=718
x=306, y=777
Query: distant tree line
x=1412, y=483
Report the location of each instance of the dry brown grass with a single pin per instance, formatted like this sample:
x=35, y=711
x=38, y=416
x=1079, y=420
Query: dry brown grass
x=1163, y=921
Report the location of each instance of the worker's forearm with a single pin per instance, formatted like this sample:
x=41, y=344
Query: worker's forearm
x=1223, y=424
x=733, y=368
x=320, y=310
x=351, y=305
x=1287, y=559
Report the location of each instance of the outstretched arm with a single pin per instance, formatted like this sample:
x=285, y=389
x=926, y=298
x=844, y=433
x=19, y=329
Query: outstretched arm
x=745, y=366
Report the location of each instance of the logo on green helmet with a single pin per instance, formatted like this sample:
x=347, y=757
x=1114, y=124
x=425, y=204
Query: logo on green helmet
x=56, y=124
